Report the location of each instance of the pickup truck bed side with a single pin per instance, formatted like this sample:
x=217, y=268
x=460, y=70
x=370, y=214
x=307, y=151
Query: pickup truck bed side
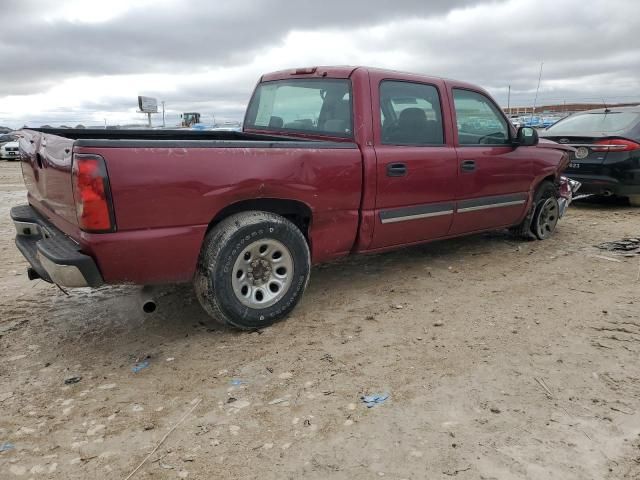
x=164, y=222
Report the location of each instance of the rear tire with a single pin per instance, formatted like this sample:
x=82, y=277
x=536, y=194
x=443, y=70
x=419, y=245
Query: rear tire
x=253, y=269
x=541, y=221
x=634, y=200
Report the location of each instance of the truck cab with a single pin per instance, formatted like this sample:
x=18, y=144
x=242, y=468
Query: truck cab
x=440, y=156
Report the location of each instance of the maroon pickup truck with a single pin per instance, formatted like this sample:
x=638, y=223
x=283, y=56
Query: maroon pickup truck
x=331, y=161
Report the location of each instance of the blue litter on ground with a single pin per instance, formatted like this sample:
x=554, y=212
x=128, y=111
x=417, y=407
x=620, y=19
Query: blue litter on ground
x=6, y=446
x=237, y=381
x=140, y=366
x=375, y=399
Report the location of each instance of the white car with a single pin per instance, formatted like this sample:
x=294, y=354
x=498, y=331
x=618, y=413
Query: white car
x=9, y=151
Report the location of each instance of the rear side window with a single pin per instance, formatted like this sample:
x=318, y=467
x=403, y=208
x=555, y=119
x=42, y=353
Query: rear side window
x=599, y=123
x=410, y=114
x=478, y=120
x=318, y=106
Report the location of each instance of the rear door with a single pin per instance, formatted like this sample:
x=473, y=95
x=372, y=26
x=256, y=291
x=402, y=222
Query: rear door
x=495, y=177
x=416, y=163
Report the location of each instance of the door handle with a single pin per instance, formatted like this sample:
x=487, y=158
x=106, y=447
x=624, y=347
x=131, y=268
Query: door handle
x=396, y=170
x=469, y=165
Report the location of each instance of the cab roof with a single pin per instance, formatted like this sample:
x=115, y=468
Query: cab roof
x=346, y=71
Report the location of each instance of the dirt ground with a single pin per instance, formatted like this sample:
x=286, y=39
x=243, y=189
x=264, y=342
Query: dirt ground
x=502, y=360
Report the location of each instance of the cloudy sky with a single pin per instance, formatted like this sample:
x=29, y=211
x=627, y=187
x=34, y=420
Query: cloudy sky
x=85, y=61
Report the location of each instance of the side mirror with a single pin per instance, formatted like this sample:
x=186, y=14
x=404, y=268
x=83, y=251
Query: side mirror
x=527, y=137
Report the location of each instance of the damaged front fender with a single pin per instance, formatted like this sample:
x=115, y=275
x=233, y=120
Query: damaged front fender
x=566, y=191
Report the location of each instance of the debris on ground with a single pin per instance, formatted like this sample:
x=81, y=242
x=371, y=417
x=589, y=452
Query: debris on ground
x=603, y=257
x=375, y=399
x=544, y=386
x=72, y=380
x=453, y=473
x=6, y=446
x=236, y=382
x=140, y=366
x=626, y=246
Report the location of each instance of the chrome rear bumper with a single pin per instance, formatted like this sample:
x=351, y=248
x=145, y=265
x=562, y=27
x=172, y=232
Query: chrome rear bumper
x=55, y=257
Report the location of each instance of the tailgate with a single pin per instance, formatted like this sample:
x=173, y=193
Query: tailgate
x=46, y=168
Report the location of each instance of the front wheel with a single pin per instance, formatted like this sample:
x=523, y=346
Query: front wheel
x=253, y=269
x=541, y=221
x=546, y=217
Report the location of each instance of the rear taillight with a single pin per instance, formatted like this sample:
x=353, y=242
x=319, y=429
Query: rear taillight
x=615, y=145
x=92, y=194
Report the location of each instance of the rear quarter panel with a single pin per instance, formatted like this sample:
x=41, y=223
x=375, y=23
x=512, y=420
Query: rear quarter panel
x=165, y=198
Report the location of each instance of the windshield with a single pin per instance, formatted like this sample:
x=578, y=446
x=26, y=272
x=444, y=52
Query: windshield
x=319, y=106
x=602, y=123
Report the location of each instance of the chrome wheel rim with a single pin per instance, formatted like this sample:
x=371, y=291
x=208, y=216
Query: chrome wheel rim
x=262, y=273
x=548, y=218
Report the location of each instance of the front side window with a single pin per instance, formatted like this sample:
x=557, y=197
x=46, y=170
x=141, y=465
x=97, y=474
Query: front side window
x=410, y=114
x=316, y=106
x=478, y=120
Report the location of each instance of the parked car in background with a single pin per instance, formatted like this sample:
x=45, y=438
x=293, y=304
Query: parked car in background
x=516, y=121
x=228, y=127
x=7, y=137
x=607, y=157
x=331, y=161
x=548, y=121
x=10, y=151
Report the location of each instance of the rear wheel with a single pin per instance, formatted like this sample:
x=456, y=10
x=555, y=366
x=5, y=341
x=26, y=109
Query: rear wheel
x=634, y=200
x=253, y=269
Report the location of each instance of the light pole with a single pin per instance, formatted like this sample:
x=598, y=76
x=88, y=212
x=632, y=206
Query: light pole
x=163, y=125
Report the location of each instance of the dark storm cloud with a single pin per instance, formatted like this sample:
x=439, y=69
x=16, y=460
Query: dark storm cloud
x=188, y=36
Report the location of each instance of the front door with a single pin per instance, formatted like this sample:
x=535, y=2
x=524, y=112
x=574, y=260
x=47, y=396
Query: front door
x=494, y=176
x=416, y=163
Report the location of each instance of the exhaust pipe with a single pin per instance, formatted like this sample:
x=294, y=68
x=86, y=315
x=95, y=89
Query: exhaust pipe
x=607, y=193
x=32, y=274
x=147, y=299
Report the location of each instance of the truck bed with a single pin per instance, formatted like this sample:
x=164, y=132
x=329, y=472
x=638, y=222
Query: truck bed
x=167, y=186
x=178, y=138
x=165, y=135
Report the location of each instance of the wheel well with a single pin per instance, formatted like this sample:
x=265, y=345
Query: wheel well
x=296, y=212
x=548, y=178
